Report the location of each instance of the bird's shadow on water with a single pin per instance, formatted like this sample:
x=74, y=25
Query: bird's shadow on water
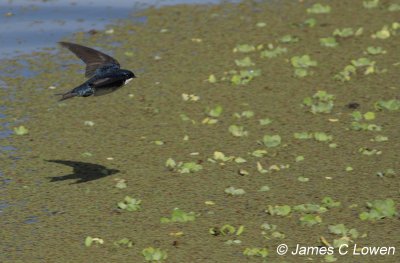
x=82, y=172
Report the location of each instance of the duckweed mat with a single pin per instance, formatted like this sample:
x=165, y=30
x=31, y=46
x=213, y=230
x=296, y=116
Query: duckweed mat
x=250, y=125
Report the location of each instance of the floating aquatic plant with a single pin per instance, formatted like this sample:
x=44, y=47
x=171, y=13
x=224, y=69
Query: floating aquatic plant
x=130, y=204
x=318, y=8
x=302, y=64
x=320, y=102
x=234, y=191
x=154, y=254
x=390, y=105
x=89, y=241
x=244, y=62
x=328, y=42
x=255, y=251
x=244, y=48
x=272, y=52
x=21, y=130
x=271, y=140
x=237, y=130
x=179, y=216
x=379, y=209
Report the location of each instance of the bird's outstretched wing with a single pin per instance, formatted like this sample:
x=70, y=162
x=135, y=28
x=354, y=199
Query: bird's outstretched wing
x=93, y=59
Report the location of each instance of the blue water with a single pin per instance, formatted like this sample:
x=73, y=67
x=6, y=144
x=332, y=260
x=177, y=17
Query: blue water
x=31, y=25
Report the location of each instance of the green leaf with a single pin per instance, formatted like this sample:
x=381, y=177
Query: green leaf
x=280, y=210
x=288, y=39
x=237, y=131
x=212, y=78
x=273, y=52
x=271, y=140
x=130, y=204
x=319, y=9
x=394, y=7
x=154, y=254
x=245, y=62
x=391, y=105
x=379, y=209
x=322, y=137
x=258, y=252
x=328, y=42
x=371, y=4
x=344, y=32
x=245, y=48
x=265, y=121
x=189, y=167
x=179, y=216
x=233, y=191
x=303, y=135
x=214, y=112
x=310, y=220
x=20, y=130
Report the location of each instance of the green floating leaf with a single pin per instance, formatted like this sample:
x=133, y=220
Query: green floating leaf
x=344, y=32
x=179, y=216
x=214, y=112
x=189, y=167
x=394, y=7
x=259, y=153
x=310, y=220
x=124, y=242
x=244, y=76
x=212, y=78
x=130, y=204
x=273, y=52
x=303, y=135
x=310, y=208
x=379, y=209
x=320, y=102
x=322, y=137
x=375, y=50
x=258, y=252
x=261, y=24
x=20, y=130
x=302, y=65
x=328, y=42
x=237, y=131
x=380, y=138
x=154, y=254
x=245, y=62
x=89, y=241
x=271, y=140
x=328, y=202
x=279, y=210
x=310, y=22
x=390, y=105
x=303, y=179
x=245, y=48
x=289, y=39
x=233, y=191
x=371, y=4
x=265, y=121
x=319, y=9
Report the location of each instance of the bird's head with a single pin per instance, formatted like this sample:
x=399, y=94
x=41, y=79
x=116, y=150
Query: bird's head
x=128, y=74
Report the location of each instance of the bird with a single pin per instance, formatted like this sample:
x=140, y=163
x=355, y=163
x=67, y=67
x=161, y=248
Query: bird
x=104, y=73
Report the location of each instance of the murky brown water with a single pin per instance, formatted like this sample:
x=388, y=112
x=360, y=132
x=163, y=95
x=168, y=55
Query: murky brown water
x=50, y=214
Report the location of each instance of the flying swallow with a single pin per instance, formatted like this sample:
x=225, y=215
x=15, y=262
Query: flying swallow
x=104, y=73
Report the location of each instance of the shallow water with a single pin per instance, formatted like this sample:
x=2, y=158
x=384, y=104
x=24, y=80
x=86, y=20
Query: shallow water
x=64, y=189
x=29, y=25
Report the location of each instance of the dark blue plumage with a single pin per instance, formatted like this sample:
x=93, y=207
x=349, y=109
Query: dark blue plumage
x=103, y=71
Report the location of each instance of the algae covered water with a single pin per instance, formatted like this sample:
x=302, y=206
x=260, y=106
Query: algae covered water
x=249, y=126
